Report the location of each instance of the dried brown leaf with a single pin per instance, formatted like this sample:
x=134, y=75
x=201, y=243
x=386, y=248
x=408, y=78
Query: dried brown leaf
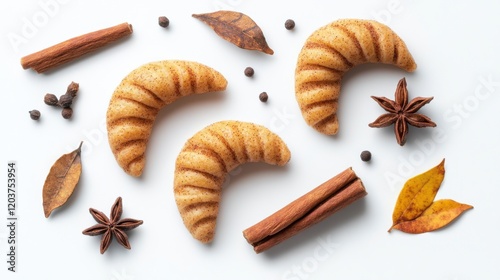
x=62, y=180
x=439, y=214
x=236, y=28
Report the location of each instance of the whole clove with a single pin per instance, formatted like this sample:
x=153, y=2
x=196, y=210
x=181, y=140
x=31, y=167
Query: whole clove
x=72, y=89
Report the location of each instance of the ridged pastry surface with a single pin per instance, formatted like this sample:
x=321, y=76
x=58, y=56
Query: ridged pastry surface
x=204, y=162
x=331, y=51
x=139, y=97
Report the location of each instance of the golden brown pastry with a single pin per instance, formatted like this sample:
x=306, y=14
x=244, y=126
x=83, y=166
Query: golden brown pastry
x=140, y=96
x=331, y=51
x=206, y=159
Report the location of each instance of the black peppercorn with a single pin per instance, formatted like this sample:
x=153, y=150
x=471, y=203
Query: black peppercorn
x=263, y=97
x=50, y=99
x=67, y=112
x=249, y=71
x=366, y=156
x=289, y=24
x=34, y=114
x=163, y=21
x=65, y=100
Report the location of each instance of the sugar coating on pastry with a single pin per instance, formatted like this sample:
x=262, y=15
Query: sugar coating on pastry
x=206, y=159
x=331, y=51
x=139, y=97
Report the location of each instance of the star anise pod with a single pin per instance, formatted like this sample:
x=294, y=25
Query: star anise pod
x=402, y=113
x=112, y=227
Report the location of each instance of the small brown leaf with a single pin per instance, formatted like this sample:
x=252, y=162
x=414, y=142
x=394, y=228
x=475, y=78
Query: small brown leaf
x=61, y=180
x=236, y=28
x=439, y=214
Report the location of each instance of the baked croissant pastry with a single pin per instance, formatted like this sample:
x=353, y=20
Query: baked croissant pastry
x=331, y=51
x=206, y=159
x=139, y=97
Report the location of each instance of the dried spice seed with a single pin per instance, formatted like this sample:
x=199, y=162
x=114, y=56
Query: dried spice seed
x=65, y=100
x=72, y=89
x=50, y=99
x=62, y=180
x=163, y=21
x=111, y=227
x=35, y=114
x=402, y=113
x=289, y=24
x=238, y=29
x=263, y=96
x=67, y=113
x=249, y=72
x=366, y=156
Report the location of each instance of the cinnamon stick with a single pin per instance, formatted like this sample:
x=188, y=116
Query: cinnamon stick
x=73, y=48
x=307, y=210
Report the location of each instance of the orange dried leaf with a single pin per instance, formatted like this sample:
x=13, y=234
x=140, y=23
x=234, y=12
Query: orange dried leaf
x=438, y=215
x=417, y=194
x=236, y=28
x=61, y=180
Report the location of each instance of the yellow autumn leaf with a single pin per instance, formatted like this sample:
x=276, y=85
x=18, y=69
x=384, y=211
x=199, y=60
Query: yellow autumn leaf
x=438, y=215
x=417, y=194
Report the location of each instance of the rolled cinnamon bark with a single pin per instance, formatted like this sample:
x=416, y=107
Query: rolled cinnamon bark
x=307, y=210
x=73, y=48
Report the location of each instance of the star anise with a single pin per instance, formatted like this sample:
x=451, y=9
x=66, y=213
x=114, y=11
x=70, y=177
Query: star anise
x=402, y=113
x=112, y=227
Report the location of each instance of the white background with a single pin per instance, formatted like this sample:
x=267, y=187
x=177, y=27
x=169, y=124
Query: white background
x=454, y=44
